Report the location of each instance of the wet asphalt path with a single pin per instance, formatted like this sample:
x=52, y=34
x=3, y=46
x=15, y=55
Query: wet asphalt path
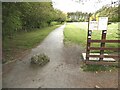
x=63, y=70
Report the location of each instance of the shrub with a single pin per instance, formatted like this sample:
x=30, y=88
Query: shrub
x=40, y=59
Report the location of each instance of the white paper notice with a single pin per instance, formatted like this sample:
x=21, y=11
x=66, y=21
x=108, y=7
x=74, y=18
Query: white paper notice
x=93, y=25
x=102, y=24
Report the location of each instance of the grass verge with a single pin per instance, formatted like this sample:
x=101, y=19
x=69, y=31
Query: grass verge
x=13, y=48
x=94, y=68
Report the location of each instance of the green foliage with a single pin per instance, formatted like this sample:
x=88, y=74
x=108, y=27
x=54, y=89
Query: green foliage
x=111, y=12
x=24, y=16
x=11, y=19
x=77, y=16
x=59, y=16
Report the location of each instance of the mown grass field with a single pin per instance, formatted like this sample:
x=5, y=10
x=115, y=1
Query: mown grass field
x=13, y=48
x=77, y=33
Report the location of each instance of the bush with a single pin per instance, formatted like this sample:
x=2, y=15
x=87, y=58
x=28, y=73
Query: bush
x=40, y=59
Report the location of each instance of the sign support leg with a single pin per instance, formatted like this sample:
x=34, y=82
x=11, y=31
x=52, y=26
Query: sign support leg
x=102, y=44
x=88, y=44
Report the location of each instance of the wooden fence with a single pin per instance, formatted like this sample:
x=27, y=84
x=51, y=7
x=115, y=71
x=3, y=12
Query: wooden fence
x=102, y=47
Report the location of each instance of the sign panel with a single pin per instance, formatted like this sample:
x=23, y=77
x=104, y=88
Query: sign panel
x=102, y=24
x=93, y=25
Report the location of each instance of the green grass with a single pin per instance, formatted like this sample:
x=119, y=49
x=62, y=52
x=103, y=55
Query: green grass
x=12, y=48
x=94, y=68
x=77, y=33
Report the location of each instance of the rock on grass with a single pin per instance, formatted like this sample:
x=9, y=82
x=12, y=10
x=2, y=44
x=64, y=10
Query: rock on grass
x=40, y=59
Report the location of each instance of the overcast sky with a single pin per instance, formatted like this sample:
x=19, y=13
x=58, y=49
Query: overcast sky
x=75, y=5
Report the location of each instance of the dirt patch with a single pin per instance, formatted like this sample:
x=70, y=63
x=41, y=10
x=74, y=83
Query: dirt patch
x=73, y=54
x=18, y=55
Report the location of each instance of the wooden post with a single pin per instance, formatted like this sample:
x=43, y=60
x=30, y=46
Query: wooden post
x=88, y=43
x=103, y=43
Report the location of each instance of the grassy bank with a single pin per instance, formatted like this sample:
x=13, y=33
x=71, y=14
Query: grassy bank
x=77, y=33
x=13, y=48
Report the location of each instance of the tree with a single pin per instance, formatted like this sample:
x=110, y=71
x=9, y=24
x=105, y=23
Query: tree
x=24, y=16
x=110, y=12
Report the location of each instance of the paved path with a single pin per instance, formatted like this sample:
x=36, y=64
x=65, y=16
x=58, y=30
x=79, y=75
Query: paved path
x=63, y=70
